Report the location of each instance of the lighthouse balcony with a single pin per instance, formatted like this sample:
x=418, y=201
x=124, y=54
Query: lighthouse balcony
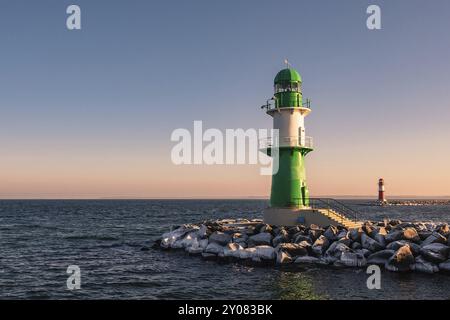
x=271, y=107
x=294, y=141
x=270, y=110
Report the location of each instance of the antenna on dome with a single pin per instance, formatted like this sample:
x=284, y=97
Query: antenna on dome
x=286, y=62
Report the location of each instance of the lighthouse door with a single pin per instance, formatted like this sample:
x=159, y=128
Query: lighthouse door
x=301, y=136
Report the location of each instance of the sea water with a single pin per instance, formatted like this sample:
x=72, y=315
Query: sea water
x=39, y=239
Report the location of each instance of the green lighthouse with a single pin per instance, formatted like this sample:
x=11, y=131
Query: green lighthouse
x=290, y=203
x=289, y=189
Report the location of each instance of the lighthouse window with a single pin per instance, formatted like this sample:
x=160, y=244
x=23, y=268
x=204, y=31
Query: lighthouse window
x=284, y=87
x=294, y=87
x=279, y=88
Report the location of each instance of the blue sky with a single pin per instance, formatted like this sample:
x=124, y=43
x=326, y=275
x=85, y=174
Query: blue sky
x=139, y=69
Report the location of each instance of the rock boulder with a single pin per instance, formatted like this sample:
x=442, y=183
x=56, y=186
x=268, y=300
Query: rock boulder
x=402, y=261
x=283, y=257
x=381, y=257
x=415, y=248
x=335, y=251
x=215, y=248
x=370, y=244
x=445, y=266
x=308, y=260
x=220, y=238
x=435, y=237
x=263, y=238
x=394, y=236
x=435, y=252
x=294, y=249
x=265, y=252
x=320, y=246
x=425, y=266
x=331, y=233
x=410, y=234
x=351, y=259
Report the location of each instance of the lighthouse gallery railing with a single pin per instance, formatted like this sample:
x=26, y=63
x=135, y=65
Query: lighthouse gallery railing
x=293, y=141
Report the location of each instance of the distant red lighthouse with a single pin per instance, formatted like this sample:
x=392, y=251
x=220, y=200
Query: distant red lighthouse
x=381, y=197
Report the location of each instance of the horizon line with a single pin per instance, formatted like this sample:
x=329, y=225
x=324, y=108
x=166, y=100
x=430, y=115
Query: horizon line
x=349, y=197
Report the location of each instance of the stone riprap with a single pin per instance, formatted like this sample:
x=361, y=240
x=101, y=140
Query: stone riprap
x=397, y=246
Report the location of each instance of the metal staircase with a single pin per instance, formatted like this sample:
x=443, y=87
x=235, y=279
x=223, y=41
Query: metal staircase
x=337, y=211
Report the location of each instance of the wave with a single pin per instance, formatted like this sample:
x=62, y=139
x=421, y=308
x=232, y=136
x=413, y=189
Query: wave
x=90, y=237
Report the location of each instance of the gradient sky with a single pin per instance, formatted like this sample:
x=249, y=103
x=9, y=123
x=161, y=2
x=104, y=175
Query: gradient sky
x=88, y=114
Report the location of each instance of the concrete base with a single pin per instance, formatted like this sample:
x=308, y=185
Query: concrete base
x=295, y=216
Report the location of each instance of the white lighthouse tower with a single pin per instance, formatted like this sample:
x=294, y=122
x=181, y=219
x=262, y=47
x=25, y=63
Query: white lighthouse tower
x=288, y=112
x=290, y=203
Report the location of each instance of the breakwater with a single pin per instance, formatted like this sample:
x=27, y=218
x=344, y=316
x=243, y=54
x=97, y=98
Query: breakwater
x=395, y=245
x=413, y=203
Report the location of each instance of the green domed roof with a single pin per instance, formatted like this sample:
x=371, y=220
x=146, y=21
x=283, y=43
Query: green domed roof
x=287, y=75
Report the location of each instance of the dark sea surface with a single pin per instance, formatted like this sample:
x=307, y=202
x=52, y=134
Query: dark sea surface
x=39, y=239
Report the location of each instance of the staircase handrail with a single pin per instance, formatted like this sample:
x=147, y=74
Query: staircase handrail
x=339, y=207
